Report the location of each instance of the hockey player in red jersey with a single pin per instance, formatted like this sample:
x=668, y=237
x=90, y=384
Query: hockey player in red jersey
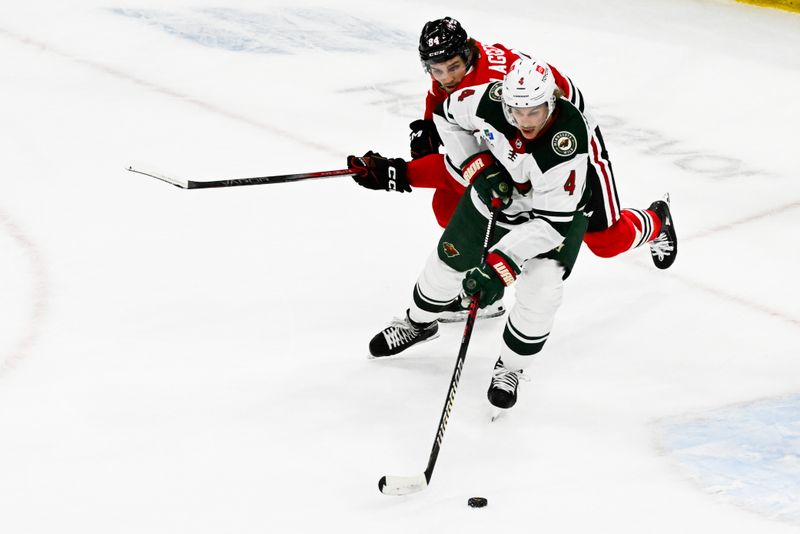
x=525, y=151
x=455, y=62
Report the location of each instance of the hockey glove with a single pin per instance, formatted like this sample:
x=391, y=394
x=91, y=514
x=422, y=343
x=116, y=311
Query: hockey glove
x=488, y=178
x=491, y=278
x=424, y=138
x=373, y=171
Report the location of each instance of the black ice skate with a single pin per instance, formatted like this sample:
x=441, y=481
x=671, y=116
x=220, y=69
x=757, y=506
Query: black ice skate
x=503, y=388
x=664, y=248
x=401, y=334
x=455, y=313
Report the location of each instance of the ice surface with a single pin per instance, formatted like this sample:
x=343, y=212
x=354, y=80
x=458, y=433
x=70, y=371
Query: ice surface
x=194, y=361
x=748, y=454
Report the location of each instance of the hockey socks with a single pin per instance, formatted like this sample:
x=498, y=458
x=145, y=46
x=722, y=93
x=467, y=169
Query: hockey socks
x=633, y=229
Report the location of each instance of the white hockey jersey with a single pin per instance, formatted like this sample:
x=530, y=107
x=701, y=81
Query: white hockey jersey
x=549, y=172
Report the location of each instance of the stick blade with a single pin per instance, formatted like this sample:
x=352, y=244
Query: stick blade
x=178, y=182
x=402, y=485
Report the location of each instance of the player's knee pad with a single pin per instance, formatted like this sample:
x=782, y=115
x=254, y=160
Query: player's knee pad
x=437, y=285
x=540, y=287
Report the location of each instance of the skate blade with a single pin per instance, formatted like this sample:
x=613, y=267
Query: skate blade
x=460, y=317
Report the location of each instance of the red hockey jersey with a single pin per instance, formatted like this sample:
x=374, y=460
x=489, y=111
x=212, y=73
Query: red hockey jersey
x=491, y=66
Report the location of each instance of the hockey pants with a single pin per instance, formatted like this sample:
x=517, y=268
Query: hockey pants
x=539, y=291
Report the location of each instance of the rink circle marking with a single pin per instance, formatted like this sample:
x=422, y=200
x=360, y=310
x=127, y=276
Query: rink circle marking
x=30, y=331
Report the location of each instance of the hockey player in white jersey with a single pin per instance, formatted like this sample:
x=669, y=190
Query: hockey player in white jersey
x=523, y=144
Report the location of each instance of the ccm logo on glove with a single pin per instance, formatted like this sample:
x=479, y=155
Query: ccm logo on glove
x=373, y=171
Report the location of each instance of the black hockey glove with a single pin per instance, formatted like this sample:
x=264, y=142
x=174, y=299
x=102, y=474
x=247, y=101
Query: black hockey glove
x=491, y=278
x=424, y=138
x=489, y=179
x=373, y=171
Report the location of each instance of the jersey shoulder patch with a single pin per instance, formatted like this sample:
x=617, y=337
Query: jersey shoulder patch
x=566, y=138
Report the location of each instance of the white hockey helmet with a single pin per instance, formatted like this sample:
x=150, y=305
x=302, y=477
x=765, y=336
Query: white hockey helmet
x=529, y=83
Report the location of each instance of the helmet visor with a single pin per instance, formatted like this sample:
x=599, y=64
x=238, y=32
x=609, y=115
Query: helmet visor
x=527, y=118
x=429, y=63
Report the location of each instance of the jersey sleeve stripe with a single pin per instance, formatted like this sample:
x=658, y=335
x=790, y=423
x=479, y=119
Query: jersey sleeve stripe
x=571, y=96
x=606, y=183
x=560, y=216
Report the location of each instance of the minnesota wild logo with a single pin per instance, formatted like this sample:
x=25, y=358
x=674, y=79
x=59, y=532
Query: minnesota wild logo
x=496, y=92
x=450, y=250
x=564, y=143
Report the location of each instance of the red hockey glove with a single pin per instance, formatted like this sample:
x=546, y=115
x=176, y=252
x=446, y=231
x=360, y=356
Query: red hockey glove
x=488, y=178
x=373, y=171
x=491, y=278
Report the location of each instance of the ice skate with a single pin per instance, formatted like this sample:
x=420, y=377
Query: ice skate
x=459, y=314
x=503, y=388
x=664, y=248
x=400, y=335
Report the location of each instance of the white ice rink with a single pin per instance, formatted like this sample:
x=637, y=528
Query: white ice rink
x=195, y=361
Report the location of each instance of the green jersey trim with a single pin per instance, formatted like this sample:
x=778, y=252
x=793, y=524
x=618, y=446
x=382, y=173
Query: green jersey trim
x=565, y=139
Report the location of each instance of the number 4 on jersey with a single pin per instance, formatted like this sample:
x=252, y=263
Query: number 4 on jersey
x=569, y=185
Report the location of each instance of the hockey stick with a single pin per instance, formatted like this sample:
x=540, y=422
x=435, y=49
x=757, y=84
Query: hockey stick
x=183, y=183
x=391, y=485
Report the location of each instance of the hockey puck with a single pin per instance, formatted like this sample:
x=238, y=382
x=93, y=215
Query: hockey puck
x=477, y=502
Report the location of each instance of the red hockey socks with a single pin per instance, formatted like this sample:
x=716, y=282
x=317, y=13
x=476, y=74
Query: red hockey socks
x=634, y=228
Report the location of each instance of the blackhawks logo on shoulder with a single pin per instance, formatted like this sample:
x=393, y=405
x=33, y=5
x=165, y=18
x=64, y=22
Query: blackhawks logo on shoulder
x=496, y=92
x=450, y=250
x=564, y=143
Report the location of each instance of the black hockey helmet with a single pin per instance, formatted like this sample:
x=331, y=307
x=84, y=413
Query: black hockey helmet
x=443, y=39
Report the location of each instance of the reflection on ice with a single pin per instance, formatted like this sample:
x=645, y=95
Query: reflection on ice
x=748, y=453
x=281, y=31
